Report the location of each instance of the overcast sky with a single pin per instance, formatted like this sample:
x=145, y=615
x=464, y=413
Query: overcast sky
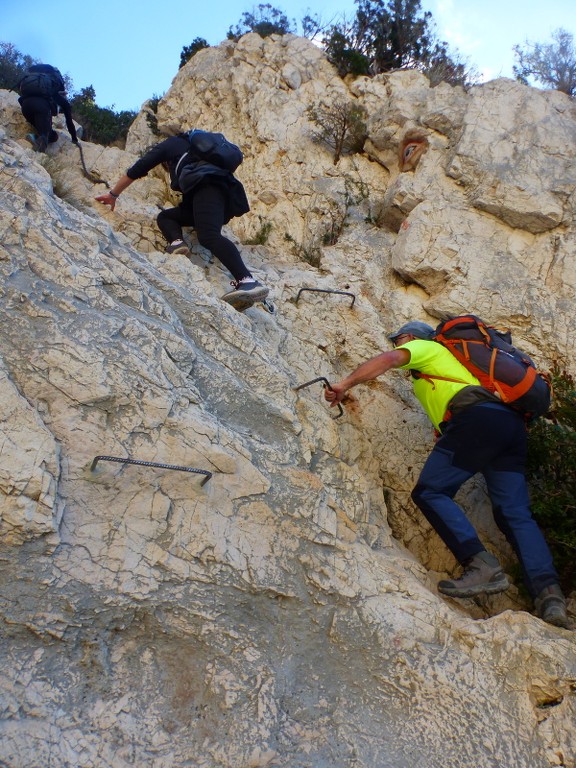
x=130, y=50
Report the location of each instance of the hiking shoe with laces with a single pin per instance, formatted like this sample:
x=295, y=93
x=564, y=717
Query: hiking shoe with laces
x=39, y=143
x=550, y=606
x=482, y=575
x=245, y=294
x=178, y=247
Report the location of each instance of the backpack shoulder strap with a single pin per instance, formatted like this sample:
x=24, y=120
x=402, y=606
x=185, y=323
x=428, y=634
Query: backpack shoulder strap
x=429, y=377
x=178, y=164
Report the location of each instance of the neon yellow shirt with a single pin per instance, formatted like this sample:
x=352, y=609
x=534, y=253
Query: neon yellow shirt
x=435, y=360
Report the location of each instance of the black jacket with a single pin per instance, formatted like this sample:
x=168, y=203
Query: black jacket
x=169, y=152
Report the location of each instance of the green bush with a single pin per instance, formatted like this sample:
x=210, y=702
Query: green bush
x=262, y=235
x=13, y=65
x=551, y=472
x=189, y=50
x=387, y=35
x=102, y=125
x=340, y=126
x=265, y=20
x=552, y=64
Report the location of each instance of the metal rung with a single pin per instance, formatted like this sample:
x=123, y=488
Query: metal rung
x=327, y=290
x=120, y=460
x=326, y=385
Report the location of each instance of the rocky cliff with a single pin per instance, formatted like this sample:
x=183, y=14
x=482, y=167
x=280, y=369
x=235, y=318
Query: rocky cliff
x=283, y=613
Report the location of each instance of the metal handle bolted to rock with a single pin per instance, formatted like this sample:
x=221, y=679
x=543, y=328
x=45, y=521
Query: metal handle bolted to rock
x=120, y=460
x=326, y=385
x=88, y=174
x=327, y=290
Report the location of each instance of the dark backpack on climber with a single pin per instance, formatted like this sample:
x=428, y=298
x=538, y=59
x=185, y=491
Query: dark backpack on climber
x=501, y=368
x=41, y=80
x=209, y=149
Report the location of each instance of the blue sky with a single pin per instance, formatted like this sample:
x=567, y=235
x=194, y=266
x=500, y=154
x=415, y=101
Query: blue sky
x=130, y=50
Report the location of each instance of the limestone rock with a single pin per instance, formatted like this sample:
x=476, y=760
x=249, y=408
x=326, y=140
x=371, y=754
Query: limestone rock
x=284, y=613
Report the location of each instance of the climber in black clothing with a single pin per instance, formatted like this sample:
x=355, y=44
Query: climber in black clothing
x=42, y=96
x=213, y=197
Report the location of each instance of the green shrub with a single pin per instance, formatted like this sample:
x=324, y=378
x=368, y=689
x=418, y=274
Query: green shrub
x=13, y=65
x=265, y=20
x=387, y=35
x=553, y=65
x=189, y=50
x=551, y=472
x=310, y=253
x=262, y=235
x=151, y=114
x=102, y=125
x=340, y=126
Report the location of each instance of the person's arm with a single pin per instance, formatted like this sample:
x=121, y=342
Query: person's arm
x=161, y=153
x=367, y=371
x=110, y=197
x=67, y=110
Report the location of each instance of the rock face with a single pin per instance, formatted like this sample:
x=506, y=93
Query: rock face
x=284, y=613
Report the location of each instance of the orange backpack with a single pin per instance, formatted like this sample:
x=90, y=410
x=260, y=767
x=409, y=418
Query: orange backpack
x=499, y=367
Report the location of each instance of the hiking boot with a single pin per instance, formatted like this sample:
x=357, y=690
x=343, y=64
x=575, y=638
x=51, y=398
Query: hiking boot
x=550, y=606
x=245, y=294
x=482, y=575
x=39, y=143
x=178, y=247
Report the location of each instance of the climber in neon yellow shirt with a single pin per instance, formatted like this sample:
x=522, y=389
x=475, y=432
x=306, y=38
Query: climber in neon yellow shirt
x=477, y=433
x=435, y=360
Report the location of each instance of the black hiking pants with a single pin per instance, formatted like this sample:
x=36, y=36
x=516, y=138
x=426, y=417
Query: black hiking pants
x=205, y=209
x=38, y=113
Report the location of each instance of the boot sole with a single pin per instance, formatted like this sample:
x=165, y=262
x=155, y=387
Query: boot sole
x=559, y=621
x=481, y=589
x=556, y=615
x=242, y=301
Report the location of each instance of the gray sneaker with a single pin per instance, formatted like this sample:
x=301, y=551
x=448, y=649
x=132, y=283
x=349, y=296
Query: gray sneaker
x=482, y=575
x=550, y=606
x=245, y=294
x=180, y=247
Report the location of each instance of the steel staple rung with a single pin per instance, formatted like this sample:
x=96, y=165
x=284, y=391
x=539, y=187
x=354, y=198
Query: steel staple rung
x=120, y=460
x=327, y=290
x=326, y=385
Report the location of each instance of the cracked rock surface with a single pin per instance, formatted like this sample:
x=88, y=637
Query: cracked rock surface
x=284, y=613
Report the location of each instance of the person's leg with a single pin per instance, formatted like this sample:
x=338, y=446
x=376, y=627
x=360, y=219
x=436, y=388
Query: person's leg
x=505, y=477
x=470, y=441
x=434, y=495
x=170, y=223
x=209, y=203
x=508, y=493
x=37, y=112
x=510, y=504
x=209, y=207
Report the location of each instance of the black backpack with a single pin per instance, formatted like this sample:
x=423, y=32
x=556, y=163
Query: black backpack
x=213, y=148
x=41, y=80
